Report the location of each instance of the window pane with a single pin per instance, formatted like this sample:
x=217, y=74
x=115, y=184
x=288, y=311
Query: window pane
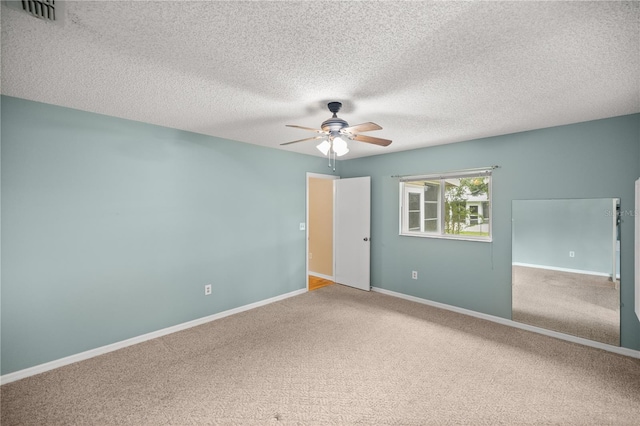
x=414, y=221
x=431, y=190
x=463, y=198
x=430, y=210
x=431, y=225
x=414, y=201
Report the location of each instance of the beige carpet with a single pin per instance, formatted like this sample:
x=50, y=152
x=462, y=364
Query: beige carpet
x=582, y=305
x=337, y=356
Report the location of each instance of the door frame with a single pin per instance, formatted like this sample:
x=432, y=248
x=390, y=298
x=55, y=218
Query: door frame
x=333, y=248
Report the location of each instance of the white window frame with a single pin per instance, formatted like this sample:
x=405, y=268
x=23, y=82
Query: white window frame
x=406, y=187
x=411, y=189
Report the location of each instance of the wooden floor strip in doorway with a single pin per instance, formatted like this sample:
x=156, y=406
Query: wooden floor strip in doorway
x=317, y=282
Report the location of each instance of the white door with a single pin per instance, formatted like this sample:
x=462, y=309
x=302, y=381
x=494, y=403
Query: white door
x=352, y=227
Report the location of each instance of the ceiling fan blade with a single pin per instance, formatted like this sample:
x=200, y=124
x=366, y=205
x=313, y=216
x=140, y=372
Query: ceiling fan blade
x=369, y=139
x=364, y=127
x=302, y=140
x=305, y=128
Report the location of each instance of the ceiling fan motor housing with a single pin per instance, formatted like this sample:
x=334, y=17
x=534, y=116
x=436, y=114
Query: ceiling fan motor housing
x=334, y=124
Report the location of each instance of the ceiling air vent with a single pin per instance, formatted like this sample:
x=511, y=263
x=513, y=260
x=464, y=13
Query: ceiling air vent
x=47, y=10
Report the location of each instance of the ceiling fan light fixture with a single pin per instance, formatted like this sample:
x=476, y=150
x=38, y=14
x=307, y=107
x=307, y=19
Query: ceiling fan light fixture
x=324, y=147
x=340, y=146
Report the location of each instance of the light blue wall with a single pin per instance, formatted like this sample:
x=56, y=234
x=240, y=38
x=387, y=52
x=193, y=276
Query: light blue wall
x=111, y=228
x=597, y=159
x=545, y=231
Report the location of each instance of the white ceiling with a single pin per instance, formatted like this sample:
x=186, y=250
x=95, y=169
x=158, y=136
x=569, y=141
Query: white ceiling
x=428, y=72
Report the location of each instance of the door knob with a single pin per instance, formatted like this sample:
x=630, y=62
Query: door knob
x=366, y=239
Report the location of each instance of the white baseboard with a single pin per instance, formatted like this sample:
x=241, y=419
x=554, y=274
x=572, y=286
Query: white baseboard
x=555, y=268
x=326, y=277
x=31, y=371
x=616, y=349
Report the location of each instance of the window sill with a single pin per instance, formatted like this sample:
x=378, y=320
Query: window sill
x=447, y=237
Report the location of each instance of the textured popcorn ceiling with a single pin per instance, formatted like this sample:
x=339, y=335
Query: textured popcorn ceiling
x=428, y=72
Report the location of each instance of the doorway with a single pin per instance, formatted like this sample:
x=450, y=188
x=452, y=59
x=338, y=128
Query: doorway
x=320, y=230
x=338, y=230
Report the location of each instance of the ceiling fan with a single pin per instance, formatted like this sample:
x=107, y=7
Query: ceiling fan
x=335, y=130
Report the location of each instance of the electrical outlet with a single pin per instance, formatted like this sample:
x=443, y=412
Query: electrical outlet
x=310, y=255
x=303, y=226
x=572, y=254
x=414, y=275
x=207, y=290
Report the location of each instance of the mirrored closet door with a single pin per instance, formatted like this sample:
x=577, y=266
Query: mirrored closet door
x=565, y=266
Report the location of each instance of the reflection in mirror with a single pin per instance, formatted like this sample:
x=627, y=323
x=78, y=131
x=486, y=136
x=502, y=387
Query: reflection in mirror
x=566, y=263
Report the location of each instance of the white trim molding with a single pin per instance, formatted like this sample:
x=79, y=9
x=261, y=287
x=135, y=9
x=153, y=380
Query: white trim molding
x=636, y=250
x=32, y=371
x=333, y=249
x=616, y=349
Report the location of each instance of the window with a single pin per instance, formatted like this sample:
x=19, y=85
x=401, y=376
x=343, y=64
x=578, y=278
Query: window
x=453, y=205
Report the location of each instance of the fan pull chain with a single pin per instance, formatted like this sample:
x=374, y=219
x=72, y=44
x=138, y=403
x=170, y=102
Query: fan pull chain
x=332, y=152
